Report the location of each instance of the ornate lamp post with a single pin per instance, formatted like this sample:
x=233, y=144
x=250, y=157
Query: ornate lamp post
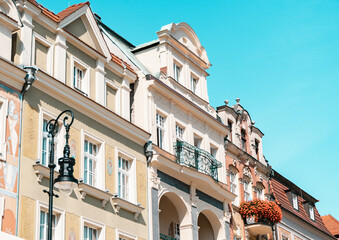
x=65, y=181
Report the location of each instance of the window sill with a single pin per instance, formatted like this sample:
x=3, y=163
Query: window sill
x=42, y=171
x=80, y=91
x=124, y=204
x=85, y=189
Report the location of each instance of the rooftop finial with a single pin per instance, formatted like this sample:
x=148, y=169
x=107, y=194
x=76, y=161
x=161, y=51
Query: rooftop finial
x=226, y=102
x=253, y=122
x=238, y=100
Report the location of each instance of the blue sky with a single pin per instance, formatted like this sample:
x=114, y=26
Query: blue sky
x=281, y=58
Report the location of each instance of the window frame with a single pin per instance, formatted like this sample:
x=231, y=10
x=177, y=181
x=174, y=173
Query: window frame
x=117, y=100
x=177, y=74
x=236, y=184
x=132, y=197
x=248, y=191
x=94, y=225
x=59, y=229
x=295, y=203
x=3, y=119
x=43, y=41
x=243, y=135
x=59, y=139
x=194, y=83
x=178, y=127
x=75, y=62
x=311, y=213
x=100, y=164
x=123, y=234
x=161, y=144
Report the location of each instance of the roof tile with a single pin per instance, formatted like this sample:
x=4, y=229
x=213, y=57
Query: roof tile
x=331, y=223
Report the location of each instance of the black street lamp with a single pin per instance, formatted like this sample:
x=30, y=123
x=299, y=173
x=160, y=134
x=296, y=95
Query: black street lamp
x=65, y=181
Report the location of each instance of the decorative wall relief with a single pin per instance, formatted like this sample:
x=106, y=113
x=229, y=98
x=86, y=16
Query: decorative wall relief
x=109, y=166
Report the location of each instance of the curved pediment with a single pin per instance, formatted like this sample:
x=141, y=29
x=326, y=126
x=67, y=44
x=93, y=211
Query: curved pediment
x=186, y=36
x=8, y=8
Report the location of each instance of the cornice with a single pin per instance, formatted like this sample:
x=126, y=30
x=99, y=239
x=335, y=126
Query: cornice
x=11, y=75
x=165, y=90
x=94, y=110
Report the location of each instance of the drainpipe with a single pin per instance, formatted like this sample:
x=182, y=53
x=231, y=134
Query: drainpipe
x=29, y=80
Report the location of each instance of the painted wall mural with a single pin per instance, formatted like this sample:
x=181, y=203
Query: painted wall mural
x=9, y=168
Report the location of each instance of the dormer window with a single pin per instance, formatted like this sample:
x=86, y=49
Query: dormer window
x=295, y=201
x=311, y=211
x=243, y=140
x=194, y=84
x=176, y=72
x=78, y=78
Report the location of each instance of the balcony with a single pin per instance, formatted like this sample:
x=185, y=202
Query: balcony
x=196, y=158
x=165, y=237
x=260, y=216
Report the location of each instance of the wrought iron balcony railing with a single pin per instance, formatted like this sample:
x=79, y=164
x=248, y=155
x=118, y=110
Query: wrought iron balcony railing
x=197, y=158
x=165, y=237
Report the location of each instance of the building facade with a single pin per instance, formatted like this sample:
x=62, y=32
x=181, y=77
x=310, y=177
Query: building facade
x=301, y=219
x=247, y=170
x=75, y=70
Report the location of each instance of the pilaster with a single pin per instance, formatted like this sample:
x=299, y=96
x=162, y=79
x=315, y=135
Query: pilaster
x=60, y=58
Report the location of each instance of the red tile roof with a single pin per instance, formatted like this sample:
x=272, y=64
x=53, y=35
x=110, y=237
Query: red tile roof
x=331, y=223
x=121, y=62
x=279, y=192
x=61, y=15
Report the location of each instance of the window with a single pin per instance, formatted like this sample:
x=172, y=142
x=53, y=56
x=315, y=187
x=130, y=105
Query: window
x=230, y=125
x=126, y=176
x=256, y=147
x=124, y=236
x=92, y=230
x=112, y=96
x=260, y=194
x=176, y=72
x=123, y=177
x=92, y=165
x=90, y=161
x=194, y=84
x=45, y=141
x=234, y=186
x=42, y=53
x=179, y=132
x=213, y=151
x=174, y=230
x=42, y=224
x=247, y=191
x=80, y=75
x=197, y=141
x=3, y=114
x=295, y=201
x=90, y=233
x=243, y=140
x=160, y=121
x=311, y=209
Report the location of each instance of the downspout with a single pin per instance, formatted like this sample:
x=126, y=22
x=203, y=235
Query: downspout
x=29, y=80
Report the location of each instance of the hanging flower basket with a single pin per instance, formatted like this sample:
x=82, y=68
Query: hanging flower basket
x=260, y=211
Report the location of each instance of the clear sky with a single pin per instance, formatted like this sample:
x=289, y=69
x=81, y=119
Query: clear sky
x=281, y=58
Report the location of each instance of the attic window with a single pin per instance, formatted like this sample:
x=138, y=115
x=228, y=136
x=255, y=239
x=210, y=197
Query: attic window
x=295, y=201
x=311, y=211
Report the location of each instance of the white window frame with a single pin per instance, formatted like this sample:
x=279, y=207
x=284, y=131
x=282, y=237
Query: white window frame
x=122, y=234
x=94, y=225
x=86, y=76
x=177, y=75
x=49, y=45
x=59, y=229
x=132, y=183
x=235, y=183
x=194, y=86
x=311, y=211
x=3, y=125
x=249, y=190
x=59, y=139
x=295, y=203
x=116, y=88
x=162, y=128
x=182, y=129
x=100, y=164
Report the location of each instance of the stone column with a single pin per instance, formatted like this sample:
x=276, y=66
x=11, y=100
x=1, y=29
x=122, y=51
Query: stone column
x=155, y=182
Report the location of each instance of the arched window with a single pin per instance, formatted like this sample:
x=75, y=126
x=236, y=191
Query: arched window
x=243, y=140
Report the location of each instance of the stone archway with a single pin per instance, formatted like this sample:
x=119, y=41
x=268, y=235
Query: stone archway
x=209, y=226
